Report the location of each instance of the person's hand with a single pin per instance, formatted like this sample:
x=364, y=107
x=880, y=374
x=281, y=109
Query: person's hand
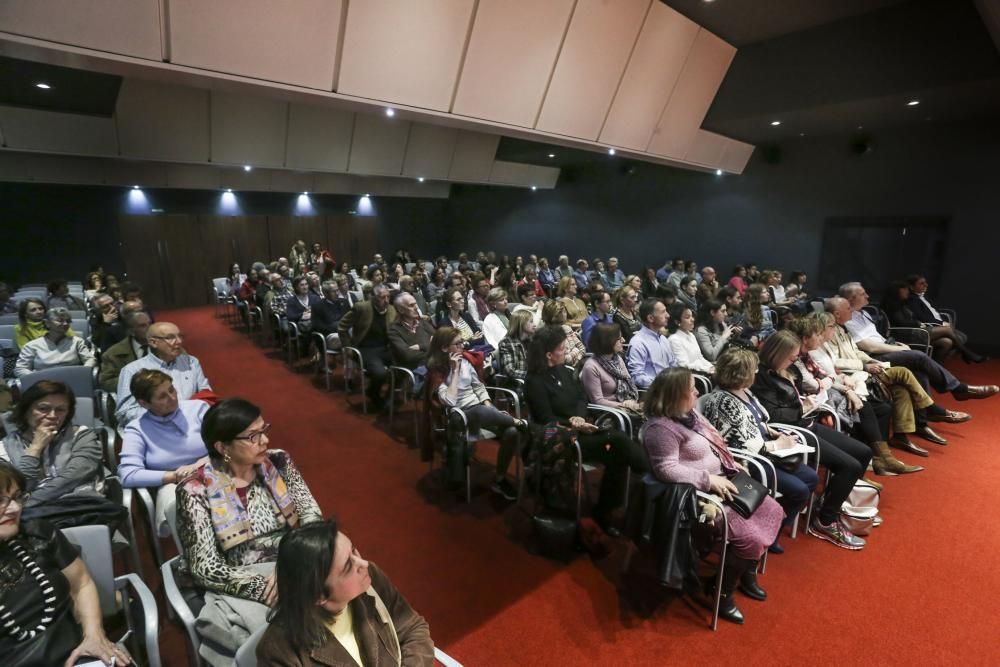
x=634, y=406
x=721, y=487
x=109, y=315
x=44, y=435
x=456, y=360
x=808, y=403
x=306, y=315
x=783, y=441
x=854, y=400
x=727, y=332
x=100, y=647
x=477, y=335
x=874, y=368
x=580, y=424
x=271, y=590
x=755, y=340
x=737, y=330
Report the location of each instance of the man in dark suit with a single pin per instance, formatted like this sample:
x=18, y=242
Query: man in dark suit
x=940, y=327
x=366, y=327
x=125, y=351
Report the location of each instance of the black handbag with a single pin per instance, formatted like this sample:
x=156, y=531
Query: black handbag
x=749, y=494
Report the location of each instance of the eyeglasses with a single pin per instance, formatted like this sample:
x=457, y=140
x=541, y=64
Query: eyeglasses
x=255, y=436
x=7, y=500
x=170, y=338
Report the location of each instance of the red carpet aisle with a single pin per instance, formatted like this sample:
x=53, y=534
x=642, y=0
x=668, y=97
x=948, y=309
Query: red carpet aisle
x=925, y=591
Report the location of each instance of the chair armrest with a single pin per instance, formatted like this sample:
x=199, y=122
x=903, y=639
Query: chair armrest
x=350, y=352
x=445, y=659
x=509, y=395
x=762, y=464
x=804, y=435
x=177, y=602
x=150, y=616
x=624, y=423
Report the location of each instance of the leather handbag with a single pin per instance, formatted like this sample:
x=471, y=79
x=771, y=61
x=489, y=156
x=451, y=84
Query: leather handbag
x=749, y=494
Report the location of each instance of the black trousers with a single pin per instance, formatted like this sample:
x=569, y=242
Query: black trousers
x=874, y=422
x=377, y=362
x=846, y=459
x=617, y=453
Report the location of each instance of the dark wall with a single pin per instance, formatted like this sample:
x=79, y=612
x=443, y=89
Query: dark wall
x=773, y=214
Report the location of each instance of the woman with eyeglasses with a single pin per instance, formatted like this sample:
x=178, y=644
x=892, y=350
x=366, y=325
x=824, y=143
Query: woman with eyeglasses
x=231, y=513
x=48, y=602
x=58, y=347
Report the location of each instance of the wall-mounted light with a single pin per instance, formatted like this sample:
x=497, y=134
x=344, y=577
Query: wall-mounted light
x=913, y=103
x=420, y=179
x=228, y=204
x=718, y=172
x=303, y=205
x=137, y=202
x=42, y=85
x=247, y=167
x=611, y=151
x=135, y=187
x=365, y=206
x=552, y=155
x=534, y=187
x=390, y=112
x=775, y=123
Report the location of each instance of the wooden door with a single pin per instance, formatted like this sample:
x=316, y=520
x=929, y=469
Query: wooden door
x=163, y=255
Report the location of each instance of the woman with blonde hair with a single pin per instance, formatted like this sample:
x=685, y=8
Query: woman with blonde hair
x=626, y=311
x=758, y=319
x=512, y=353
x=576, y=309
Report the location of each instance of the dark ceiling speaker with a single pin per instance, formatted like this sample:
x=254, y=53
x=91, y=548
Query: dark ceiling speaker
x=771, y=153
x=862, y=145
x=629, y=169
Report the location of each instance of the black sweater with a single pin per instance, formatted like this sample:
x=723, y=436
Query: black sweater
x=555, y=395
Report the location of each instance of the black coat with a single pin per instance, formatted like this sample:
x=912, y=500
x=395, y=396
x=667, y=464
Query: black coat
x=921, y=312
x=778, y=396
x=670, y=511
x=326, y=315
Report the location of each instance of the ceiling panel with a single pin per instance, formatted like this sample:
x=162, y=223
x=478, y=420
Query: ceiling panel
x=703, y=72
x=65, y=169
x=248, y=130
x=585, y=79
x=129, y=27
x=378, y=145
x=523, y=175
x=295, y=42
x=163, y=122
x=338, y=183
x=318, y=137
x=656, y=63
x=429, y=151
x=127, y=174
x=258, y=180
x=510, y=57
x=735, y=156
x=291, y=181
x=193, y=177
x=706, y=149
x=69, y=90
x=473, y=157
x=31, y=129
x=404, y=52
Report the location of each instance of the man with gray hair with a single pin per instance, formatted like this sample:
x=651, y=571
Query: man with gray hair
x=563, y=270
x=615, y=276
x=410, y=338
x=55, y=348
x=331, y=309
x=134, y=346
x=366, y=327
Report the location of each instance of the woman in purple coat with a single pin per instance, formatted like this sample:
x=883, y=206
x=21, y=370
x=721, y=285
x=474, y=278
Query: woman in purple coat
x=684, y=448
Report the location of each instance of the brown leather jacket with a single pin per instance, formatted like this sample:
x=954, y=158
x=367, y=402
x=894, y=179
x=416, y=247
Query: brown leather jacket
x=378, y=649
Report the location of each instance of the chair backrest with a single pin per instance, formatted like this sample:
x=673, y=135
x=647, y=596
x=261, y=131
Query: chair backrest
x=9, y=319
x=219, y=285
x=246, y=655
x=7, y=330
x=84, y=413
x=701, y=403
x=82, y=327
x=79, y=378
x=95, y=550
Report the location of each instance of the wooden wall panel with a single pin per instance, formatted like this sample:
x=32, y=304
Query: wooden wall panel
x=404, y=52
x=162, y=122
x=353, y=238
x=656, y=63
x=706, y=149
x=586, y=78
x=511, y=54
x=735, y=156
x=284, y=230
x=473, y=157
x=295, y=43
x=232, y=238
x=163, y=254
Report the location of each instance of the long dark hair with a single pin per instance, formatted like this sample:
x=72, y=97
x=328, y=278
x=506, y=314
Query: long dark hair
x=705, y=312
x=544, y=341
x=22, y=308
x=305, y=557
x=437, y=358
x=224, y=421
x=37, y=392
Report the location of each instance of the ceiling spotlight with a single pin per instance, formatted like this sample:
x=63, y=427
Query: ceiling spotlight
x=551, y=155
x=420, y=179
x=802, y=134
x=534, y=187
x=366, y=195
x=611, y=151
x=718, y=172
x=775, y=122
x=135, y=187
x=305, y=194
x=247, y=167
x=913, y=103
x=390, y=112
x=229, y=189
x=43, y=86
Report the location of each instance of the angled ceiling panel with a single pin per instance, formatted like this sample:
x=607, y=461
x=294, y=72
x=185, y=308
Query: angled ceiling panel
x=256, y=180
x=706, y=149
x=295, y=43
x=318, y=137
x=338, y=183
x=291, y=181
x=429, y=151
x=523, y=175
x=162, y=122
x=586, y=78
x=128, y=27
x=30, y=129
x=473, y=157
x=404, y=52
x=378, y=145
x=127, y=174
x=735, y=156
x=66, y=169
x=511, y=55
x=703, y=72
x=193, y=177
x=655, y=65
x=248, y=130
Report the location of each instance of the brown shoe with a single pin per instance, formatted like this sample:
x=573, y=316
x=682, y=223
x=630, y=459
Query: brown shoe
x=900, y=441
x=950, y=417
x=884, y=463
x=930, y=435
x=976, y=391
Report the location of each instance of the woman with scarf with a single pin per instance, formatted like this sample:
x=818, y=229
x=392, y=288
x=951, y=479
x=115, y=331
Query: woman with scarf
x=231, y=513
x=605, y=376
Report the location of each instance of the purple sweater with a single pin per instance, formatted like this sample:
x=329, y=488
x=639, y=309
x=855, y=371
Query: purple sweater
x=153, y=446
x=681, y=455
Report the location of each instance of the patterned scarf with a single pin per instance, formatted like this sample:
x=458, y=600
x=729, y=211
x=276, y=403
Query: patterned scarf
x=229, y=517
x=811, y=365
x=702, y=427
x=625, y=388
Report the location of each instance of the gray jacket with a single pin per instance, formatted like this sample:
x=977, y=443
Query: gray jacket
x=70, y=465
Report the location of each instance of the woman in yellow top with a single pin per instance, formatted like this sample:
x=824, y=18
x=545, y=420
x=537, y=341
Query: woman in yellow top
x=31, y=313
x=576, y=309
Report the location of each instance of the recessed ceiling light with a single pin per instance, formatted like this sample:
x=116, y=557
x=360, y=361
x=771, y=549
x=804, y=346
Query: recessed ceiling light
x=247, y=167
x=43, y=86
x=534, y=187
x=420, y=179
x=229, y=189
x=306, y=193
x=802, y=134
x=552, y=155
x=367, y=195
x=913, y=103
x=718, y=172
x=775, y=122
x=135, y=187
x=390, y=112
x=611, y=151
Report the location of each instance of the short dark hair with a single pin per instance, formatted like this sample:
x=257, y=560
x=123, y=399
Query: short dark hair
x=145, y=382
x=305, y=558
x=55, y=286
x=11, y=476
x=647, y=307
x=224, y=421
x=598, y=294
x=36, y=392
x=545, y=340
x=524, y=289
x=676, y=313
x=603, y=338
x=706, y=310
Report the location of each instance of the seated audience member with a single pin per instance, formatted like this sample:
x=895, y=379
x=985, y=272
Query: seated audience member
x=248, y=290
x=262, y=299
x=667, y=294
x=166, y=353
x=529, y=301
x=709, y=286
x=92, y=286
x=712, y=331
x=625, y=313
x=7, y=304
x=753, y=273
x=59, y=297
x=734, y=305
x=531, y=278
x=738, y=281
x=52, y=614
x=743, y=423
x=614, y=276
x=512, y=354
x=337, y=607
x=581, y=277
x=649, y=351
x=684, y=448
x=299, y=307
x=546, y=276
x=276, y=299
x=322, y=261
x=298, y=258
x=31, y=321
x=669, y=266
x=681, y=269
x=776, y=291
x=231, y=513
x=576, y=309
x=121, y=354
x=349, y=273
x=929, y=372
x=314, y=284
x=684, y=344
x=649, y=281
x=455, y=315
x=842, y=455
x=944, y=339
x=687, y=291
x=366, y=327
x=601, y=302
x=409, y=285
x=563, y=269
x=477, y=304
x=56, y=348
x=554, y=394
x=375, y=277
x=234, y=279
x=61, y=462
x=554, y=314
x=410, y=337
x=329, y=311
x=867, y=421
x=758, y=319
x=605, y=375
x=925, y=312
x=496, y=324
x=436, y=286
x=796, y=288
x=598, y=275
x=454, y=383
x=912, y=408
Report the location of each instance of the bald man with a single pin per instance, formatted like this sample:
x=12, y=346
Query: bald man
x=166, y=353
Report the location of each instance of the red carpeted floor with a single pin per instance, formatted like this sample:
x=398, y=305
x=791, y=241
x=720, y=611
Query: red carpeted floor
x=925, y=590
